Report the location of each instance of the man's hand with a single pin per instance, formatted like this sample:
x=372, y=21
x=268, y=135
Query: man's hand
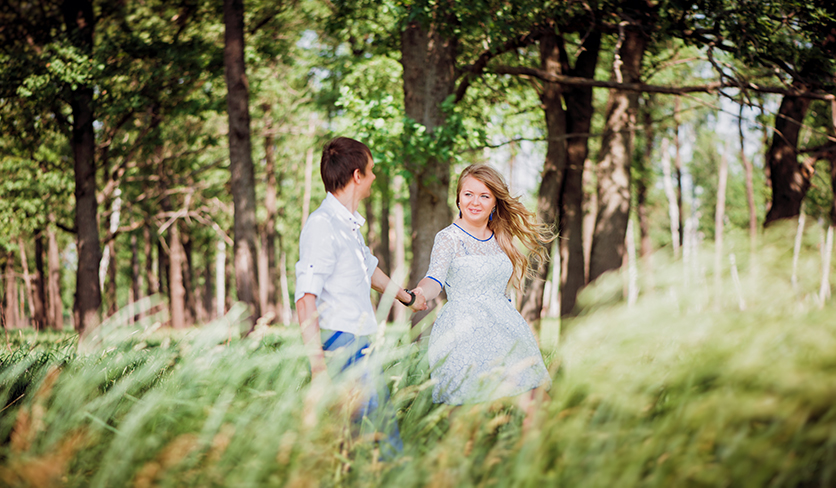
x=420, y=300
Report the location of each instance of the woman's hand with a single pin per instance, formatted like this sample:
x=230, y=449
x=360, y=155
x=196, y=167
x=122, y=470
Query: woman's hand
x=420, y=300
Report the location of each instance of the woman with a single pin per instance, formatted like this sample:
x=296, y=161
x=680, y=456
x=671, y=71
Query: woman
x=480, y=347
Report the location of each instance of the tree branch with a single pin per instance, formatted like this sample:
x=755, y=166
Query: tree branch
x=645, y=88
x=478, y=67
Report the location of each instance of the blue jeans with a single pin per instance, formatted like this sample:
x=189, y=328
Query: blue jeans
x=344, y=350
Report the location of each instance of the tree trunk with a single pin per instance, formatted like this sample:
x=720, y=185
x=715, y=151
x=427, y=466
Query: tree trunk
x=613, y=168
x=111, y=278
x=136, y=277
x=79, y=21
x=38, y=283
x=267, y=275
x=287, y=314
x=204, y=314
x=790, y=180
x=242, y=180
x=309, y=157
x=674, y=212
x=645, y=162
x=678, y=171
x=55, y=314
x=12, y=319
x=36, y=305
x=177, y=297
x=397, y=242
x=188, y=280
x=220, y=277
x=162, y=267
x=383, y=251
x=719, y=218
x=428, y=57
x=750, y=185
x=152, y=284
x=554, y=167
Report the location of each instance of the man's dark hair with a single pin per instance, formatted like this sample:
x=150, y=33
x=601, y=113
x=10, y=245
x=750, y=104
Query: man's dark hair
x=340, y=157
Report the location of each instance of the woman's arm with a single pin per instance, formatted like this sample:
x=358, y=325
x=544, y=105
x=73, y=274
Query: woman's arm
x=429, y=288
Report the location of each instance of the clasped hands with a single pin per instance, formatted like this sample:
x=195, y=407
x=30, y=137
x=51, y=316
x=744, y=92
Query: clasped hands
x=420, y=300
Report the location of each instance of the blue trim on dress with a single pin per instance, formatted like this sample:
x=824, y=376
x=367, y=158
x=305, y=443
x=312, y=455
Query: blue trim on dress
x=430, y=277
x=471, y=235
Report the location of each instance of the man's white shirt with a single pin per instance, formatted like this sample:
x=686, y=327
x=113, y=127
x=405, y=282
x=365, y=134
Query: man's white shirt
x=336, y=265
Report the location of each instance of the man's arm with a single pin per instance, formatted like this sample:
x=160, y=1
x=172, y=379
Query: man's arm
x=380, y=281
x=309, y=322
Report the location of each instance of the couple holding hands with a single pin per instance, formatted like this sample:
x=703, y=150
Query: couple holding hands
x=480, y=347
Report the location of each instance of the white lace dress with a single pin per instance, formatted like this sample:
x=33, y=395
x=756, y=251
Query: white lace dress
x=480, y=348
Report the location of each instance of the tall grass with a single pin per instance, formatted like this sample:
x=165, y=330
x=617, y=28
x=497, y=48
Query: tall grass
x=677, y=390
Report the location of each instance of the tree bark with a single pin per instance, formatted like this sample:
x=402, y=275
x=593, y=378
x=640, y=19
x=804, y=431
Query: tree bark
x=645, y=162
x=151, y=282
x=12, y=317
x=719, y=219
x=579, y=111
x=750, y=185
x=79, y=21
x=267, y=275
x=383, y=251
x=55, y=314
x=38, y=283
x=36, y=304
x=188, y=280
x=428, y=57
x=790, y=181
x=613, y=168
x=242, y=180
x=678, y=171
x=176, y=284
x=162, y=267
x=111, y=278
x=136, y=277
x=220, y=278
x=554, y=166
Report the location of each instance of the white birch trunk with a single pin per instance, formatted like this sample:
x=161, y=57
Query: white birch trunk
x=719, y=217
x=116, y=208
x=632, y=268
x=670, y=193
x=799, y=235
x=827, y=253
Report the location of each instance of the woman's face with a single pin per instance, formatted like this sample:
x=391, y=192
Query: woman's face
x=476, y=201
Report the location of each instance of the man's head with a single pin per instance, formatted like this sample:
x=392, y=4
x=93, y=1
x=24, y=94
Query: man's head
x=342, y=158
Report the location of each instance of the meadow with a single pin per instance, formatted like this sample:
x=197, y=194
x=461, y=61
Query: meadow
x=690, y=386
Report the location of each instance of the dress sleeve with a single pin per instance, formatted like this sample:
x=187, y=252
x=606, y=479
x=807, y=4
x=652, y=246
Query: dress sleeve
x=317, y=257
x=444, y=249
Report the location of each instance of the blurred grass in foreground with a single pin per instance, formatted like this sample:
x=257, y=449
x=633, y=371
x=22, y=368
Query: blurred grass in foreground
x=682, y=389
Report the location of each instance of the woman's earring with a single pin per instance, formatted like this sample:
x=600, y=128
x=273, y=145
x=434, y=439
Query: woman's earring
x=490, y=217
x=460, y=212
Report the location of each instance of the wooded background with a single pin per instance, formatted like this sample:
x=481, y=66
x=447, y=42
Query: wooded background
x=171, y=148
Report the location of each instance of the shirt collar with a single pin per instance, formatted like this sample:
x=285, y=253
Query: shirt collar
x=342, y=212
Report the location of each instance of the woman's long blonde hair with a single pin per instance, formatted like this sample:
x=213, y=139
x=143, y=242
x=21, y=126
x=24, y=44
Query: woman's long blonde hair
x=511, y=219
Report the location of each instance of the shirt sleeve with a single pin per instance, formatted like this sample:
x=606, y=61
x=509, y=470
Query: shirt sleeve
x=441, y=257
x=317, y=257
x=371, y=261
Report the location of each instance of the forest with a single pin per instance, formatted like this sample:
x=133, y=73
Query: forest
x=160, y=158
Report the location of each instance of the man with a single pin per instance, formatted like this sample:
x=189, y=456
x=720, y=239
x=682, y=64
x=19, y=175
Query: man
x=336, y=272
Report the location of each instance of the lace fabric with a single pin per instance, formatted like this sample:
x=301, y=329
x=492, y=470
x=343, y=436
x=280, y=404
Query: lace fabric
x=480, y=347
